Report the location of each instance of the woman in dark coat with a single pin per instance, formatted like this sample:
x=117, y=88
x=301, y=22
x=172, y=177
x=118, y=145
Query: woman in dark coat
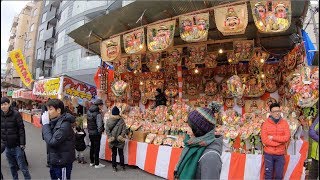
x=80, y=144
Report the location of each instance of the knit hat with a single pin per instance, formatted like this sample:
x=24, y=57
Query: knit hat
x=201, y=121
x=115, y=111
x=98, y=102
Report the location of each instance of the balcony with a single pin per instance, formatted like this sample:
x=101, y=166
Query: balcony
x=49, y=35
x=15, y=22
x=49, y=54
x=52, y=16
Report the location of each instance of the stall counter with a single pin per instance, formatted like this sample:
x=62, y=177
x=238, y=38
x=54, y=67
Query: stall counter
x=161, y=160
x=36, y=121
x=26, y=116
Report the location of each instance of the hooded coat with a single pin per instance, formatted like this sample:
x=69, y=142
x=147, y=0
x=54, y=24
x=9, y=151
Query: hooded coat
x=95, y=121
x=12, y=129
x=59, y=136
x=116, y=127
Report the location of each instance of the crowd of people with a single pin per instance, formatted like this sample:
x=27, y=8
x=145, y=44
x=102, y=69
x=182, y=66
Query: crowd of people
x=200, y=158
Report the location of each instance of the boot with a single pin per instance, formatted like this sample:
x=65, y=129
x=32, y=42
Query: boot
x=83, y=161
x=115, y=169
x=123, y=168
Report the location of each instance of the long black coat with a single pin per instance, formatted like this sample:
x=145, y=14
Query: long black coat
x=12, y=129
x=59, y=136
x=80, y=144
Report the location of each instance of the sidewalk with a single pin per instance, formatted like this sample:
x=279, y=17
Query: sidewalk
x=36, y=155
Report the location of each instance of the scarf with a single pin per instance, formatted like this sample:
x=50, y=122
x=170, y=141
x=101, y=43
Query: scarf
x=194, y=147
x=274, y=119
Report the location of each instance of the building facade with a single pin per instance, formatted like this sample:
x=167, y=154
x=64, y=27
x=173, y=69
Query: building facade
x=57, y=53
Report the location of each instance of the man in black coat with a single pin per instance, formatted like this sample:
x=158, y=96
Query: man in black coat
x=95, y=129
x=14, y=139
x=59, y=136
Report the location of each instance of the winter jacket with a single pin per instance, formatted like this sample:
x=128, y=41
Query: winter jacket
x=161, y=100
x=95, y=121
x=281, y=135
x=59, y=136
x=210, y=164
x=80, y=144
x=3, y=147
x=116, y=127
x=12, y=129
x=314, y=134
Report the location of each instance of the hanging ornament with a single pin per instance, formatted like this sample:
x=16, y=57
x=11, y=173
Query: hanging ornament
x=134, y=42
x=194, y=28
x=118, y=88
x=110, y=49
x=160, y=36
x=235, y=86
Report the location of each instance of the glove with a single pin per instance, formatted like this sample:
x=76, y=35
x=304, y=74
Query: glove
x=120, y=139
x=22, y=147
x=110, y=139
x=45, y=118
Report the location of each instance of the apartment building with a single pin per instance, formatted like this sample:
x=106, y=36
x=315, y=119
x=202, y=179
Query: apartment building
x=23, y=36
x=57, y=53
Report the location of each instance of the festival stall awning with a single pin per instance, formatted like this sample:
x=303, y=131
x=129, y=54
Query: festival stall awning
x=123, y=20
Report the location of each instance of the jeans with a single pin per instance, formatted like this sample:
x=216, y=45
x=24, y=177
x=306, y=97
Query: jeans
x=274, y=164
x=313, y=173
x=94, y=148
x=62, y=173
x=16, y=155
x=114, y=157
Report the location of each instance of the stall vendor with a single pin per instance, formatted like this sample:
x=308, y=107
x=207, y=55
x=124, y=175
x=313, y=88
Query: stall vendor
x=160, y=98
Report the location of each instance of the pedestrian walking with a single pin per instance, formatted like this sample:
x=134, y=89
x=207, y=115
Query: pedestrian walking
x=95, y=129
x=275, y=134
x=201, y=156
x=59, y=136
x=80, y=144
x=116, y=130
x=314, y=135
x=14, y=138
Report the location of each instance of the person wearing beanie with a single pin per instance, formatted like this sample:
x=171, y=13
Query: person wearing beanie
x=116, y=129
x=95, y=130
x=200, y=159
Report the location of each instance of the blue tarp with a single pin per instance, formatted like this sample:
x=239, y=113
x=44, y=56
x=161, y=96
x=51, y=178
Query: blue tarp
x=309, y=47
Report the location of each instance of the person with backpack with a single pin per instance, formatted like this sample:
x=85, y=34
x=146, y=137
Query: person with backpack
x=116, y=130
x=13, y=137
x=80, y=144
x=95, y=129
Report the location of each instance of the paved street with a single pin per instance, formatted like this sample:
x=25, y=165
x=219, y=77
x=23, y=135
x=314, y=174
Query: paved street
x=36, y=154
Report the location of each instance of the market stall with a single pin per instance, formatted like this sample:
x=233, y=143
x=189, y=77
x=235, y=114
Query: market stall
x=243, y=55
x=73, y=92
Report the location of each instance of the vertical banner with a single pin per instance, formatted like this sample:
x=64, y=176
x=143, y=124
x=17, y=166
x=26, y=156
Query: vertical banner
x=231, y=20
x=110, y=49
x=271, y=16
x=160, y=36
x=20, y=65
x=134, y=42
x=194, y=28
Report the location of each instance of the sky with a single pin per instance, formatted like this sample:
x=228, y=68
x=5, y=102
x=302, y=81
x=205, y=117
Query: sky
x=8, y=10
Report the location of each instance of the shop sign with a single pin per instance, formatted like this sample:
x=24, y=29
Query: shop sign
x=78, y=89
x=9, y=93
x=47, y=87
x=194, y=28
x=110, y=49
x=271, y=16
x=160, y=36
x=231, y=20
x=134, y=42
x=17, y=94
x=21, y=67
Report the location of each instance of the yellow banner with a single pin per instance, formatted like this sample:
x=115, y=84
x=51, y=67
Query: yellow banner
x=21, y=67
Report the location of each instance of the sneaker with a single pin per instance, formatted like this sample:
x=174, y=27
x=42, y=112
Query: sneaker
x=99, y=166
x=115, y=169
x=91, y=164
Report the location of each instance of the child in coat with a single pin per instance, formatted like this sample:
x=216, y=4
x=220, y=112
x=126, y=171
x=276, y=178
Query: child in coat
x=80, y=144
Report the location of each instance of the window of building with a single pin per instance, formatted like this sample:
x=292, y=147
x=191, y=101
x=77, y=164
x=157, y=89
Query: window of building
x=35, y=12
x=73, y=60
x=28, y=60
x=31, y=27
x=41, y=34
x=39, y=53
x=47, y=2
x=78, y=7
x=44, y=17
x=58, y=65
x=64, y=16
x=61, y=37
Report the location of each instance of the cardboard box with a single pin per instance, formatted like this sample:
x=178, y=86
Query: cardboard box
x=139, y=136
